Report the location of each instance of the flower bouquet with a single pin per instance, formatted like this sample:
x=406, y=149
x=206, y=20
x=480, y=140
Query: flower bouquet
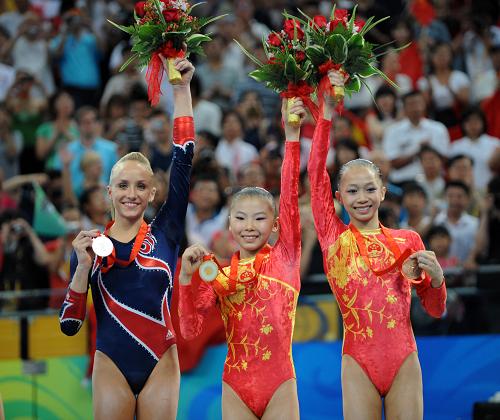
x=287, y=69
x=339, y=44
x=164, y=27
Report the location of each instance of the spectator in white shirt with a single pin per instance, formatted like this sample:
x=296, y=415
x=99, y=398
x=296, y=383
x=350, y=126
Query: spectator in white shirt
x=29, y=50
x=461, y=225
x=205, y=216
x=403, y=140
x=444, y=88
x=432, y=176
x=207, y=114
x=476, y=144
x=232, y=152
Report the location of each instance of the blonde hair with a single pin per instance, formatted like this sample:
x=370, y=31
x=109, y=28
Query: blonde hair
x=89, y=157
x=133, y=157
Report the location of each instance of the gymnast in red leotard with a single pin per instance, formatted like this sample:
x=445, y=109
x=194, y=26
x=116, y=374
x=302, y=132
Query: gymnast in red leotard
x=369, y=272
x=257, y=296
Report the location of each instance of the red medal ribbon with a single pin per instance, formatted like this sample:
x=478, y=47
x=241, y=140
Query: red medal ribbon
x=400, y=258
x=233, y=272
x=112, y=260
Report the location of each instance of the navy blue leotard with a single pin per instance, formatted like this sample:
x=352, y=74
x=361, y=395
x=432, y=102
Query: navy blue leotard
x=134, y=328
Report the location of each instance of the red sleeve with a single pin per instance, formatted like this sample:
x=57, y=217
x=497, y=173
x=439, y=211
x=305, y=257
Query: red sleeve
x=289, y=238
x=433, y=298
x=183, y=131
x=193, y=307
x=73, y=312
x=328, y=225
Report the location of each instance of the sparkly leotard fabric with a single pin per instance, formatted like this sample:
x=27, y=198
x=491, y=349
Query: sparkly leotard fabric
x=375, y=309
x=259, y=317
x=131, y=303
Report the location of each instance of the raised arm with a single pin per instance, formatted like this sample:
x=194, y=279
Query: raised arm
x=328, y=225
x=432, y=291
x=289, y=217
x=171, y=217
x=193, y=306
x=74, y=307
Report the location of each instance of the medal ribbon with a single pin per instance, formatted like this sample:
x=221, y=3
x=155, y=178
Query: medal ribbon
x=400, y=258
x=112, y=260
x=233, y=272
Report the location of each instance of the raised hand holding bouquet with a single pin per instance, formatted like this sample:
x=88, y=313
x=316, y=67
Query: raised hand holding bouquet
x=164, y=27
x=287, y=70
x=339, y=44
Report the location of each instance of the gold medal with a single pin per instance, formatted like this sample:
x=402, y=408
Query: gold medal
x=208, y=270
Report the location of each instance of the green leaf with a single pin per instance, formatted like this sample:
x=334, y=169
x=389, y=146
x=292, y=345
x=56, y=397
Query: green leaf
x=128, y=29
x=368, y=71
x=149, y=31
x=369, y=25
x=130, y=59
x=289, y=16
x=158, y=11
x=204, y=21
x=337, y=48
x=384, y=76
x=260, y=75
x=196, y=39
x=354, y=84
x=173, y=34
x=292, y=71
x=249, y=55
x=350, y=23
x=316, y=54
x=332, y=15
x=307, y=20
x=356, y=41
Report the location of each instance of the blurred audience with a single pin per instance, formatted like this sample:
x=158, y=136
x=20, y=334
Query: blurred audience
x=71, y=54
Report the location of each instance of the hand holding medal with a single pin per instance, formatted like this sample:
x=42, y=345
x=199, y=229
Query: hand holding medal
x=410, y=268
x=196, y=257
x=83, y=246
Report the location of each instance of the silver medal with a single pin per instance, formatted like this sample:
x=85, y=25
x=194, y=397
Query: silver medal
x=102, y=246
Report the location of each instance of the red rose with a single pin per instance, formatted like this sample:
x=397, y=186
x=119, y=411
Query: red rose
x=139, y=8
x=341, y=14
x=292, y=26
x=274, y=39
x=300, y=56
x=320, y=21
x=359, y=23
x=171, y=15
x=330, y=26
x=272, y=60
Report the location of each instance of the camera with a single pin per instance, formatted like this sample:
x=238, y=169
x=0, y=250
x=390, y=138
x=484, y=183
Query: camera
x=17, y=228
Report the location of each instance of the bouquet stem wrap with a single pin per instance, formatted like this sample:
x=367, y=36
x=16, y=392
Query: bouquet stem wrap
x=337, y=92
x=174, y=76
x=154, y=73
x=293, y=119
x=303, y=91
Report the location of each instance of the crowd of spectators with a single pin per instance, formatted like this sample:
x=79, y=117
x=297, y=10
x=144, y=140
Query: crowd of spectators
x=67, y=114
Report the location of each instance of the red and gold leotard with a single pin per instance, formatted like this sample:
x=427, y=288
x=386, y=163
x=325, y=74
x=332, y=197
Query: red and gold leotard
x=375, y=309
x=259, y=317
